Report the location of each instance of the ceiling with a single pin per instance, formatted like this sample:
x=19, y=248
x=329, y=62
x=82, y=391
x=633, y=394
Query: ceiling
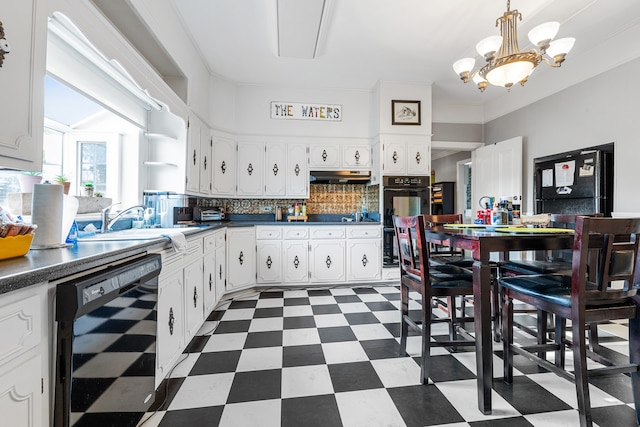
x=361, y=42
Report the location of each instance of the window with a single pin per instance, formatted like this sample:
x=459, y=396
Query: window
x=93, y=164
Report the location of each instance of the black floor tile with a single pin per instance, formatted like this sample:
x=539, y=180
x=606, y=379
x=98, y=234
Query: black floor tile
x=262, y=313
x=165, y=393
x=392, y=297
x=319, y=292
x=299, y=322
x=618, y=386
x=243, y=304
x=313, y=411
x=361, y=318
x=360, y=291
x=614, y=416
x=233, y=326
x=381, y=306
x=354, y=376
x=255, y=385
x=302, y=355
x=216, y=362
x=208, y=416
x=326, y=309
x=393, y=328
x=197, y=344
x=263, y=339
x=503, y=422
x=288, y=302
x=143, y=366
x=271, y=294
x=216, y=315
x=424, y=405
x=336, y=334
x=381, y=349
x=344, y=299
x=527, y=396
x=448, y=368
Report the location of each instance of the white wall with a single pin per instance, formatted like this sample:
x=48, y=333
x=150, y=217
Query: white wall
x=600, y=110
x=388, y=91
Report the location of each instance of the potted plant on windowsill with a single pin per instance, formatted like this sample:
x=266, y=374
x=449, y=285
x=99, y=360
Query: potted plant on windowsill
x=87, y=189
x=27, y=180
x=64, y=181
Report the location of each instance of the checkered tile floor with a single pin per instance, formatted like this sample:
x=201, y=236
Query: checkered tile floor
x=329, y=357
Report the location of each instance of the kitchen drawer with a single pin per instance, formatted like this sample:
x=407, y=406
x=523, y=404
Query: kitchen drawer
x=296, y=232
x=327, y=232
x=209, y=242
x=194, y=249
x=364, y=232
x=20, y=325
x=268, y=233
x=220, y=238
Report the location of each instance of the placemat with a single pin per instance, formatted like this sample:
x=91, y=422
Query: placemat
x=527, y=230
x=476, y=226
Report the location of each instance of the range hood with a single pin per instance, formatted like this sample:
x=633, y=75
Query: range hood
x=339, y=177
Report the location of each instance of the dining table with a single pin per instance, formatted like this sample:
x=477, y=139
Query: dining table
x=480, y=242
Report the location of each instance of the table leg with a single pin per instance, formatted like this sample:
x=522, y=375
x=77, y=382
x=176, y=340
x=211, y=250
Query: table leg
x=482, y=324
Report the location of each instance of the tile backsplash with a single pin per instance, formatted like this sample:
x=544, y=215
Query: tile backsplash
x=323, y=199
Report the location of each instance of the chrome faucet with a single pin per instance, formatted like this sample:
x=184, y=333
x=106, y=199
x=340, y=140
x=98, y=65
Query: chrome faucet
x=108, y=223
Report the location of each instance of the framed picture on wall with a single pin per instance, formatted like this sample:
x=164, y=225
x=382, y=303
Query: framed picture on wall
x=405, y=112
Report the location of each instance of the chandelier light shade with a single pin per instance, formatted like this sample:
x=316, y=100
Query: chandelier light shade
x=505, y=64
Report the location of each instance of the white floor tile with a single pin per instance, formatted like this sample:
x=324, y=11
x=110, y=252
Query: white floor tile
x=344, y=352
x=306, y=381
x=207, y=328
x=330, y=320
x=266, y=324
x=368, y=408
x=225, y=342
x=296, y=293
x=397, y=372
x=270, y=303
x=184, y=365
x=203, y=390
x=302, y=336
x=388, y=316
x=259, y=359
x=238, y=314
x=354, y=307
x=372, y=298
x=463, y=396
x=565, y=390
x=555, y=419
x=297, y=311
x=322, y=300
x=342, y=291
x=263, y=413
x=375, y=331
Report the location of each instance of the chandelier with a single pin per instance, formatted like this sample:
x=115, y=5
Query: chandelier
x=505, y=64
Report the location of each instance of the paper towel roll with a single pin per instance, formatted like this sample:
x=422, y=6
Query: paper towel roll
x=46, y=212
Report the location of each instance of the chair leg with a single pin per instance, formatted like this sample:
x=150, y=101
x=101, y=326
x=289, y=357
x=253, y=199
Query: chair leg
x=580, y=369
x=594, y=344
x=542, y=331
x=561, y=327
x=425, y=368
x=507, y=337
x=634, y=357
x=496, y=316
x=453, y=318
x=404, y=311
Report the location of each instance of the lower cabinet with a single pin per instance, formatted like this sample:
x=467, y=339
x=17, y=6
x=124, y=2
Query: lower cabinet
x=241, y=258
x=295, y=264
x=327, y=260
x=170, y=340
x=221, y=272
x=364, y=259
x=193, y=297
x=269, y=261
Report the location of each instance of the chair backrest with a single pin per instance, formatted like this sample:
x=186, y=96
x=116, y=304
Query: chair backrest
x=562, y=221
x=411, y=252
x=433, y=220
x=612, y=243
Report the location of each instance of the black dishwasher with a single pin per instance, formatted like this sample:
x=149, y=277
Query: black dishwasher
x=106, y=345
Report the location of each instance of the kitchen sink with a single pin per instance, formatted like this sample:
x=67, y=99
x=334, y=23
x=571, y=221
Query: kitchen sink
x=135, y=234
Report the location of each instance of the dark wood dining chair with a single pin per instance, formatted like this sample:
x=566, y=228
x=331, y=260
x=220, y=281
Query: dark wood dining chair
x=603, y=285
x=446, y=255
x=413, y=254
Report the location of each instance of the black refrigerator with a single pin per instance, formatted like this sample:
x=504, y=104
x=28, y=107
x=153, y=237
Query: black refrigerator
x=579, y=182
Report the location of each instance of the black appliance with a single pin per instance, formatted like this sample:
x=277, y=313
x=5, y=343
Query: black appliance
x=402, y=196
x=106, y=345
x=579, y=182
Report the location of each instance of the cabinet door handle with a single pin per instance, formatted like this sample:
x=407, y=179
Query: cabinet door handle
x=275, y=169
x=364, y=260
x=297, y=169
x=418, y=157
x=223, y=167
x=296, y=262
x=250, y=169
x=195, y=297
x=395, y=157
x=324, y=155
x=172, y=320
x=220, y=271
x=194, y=157
x=357, y=156
x=210, y=281
x=269, y=262
x=241, y=258
x=328, y=261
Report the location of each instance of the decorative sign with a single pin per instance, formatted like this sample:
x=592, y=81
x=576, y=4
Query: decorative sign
x=293, y=110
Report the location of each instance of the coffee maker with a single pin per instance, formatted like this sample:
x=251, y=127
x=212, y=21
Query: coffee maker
x=160, y=206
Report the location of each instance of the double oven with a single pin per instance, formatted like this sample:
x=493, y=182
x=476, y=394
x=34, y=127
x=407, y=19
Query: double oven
x=403, y=196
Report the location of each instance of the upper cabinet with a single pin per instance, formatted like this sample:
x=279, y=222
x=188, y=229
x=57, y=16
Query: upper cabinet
x=356, y=157
x=406, y=155
x=324, y=156
x=285, y=172
x=339, y=156
x=250, y=167
x=223, y=167
x=22, y=85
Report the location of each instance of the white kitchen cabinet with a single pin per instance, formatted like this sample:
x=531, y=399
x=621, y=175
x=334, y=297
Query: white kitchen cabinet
x=295, y=261
x=22, y=85
x=193, y=297
x=269, y=261
x=275, y=170
x=355, y=157
x=206, y=151
x=327, y=261
x=221, y=272
x=241, y=258
x=296, y=173
x=250, y=169
x=224, y=167
x=406, y=156
x=324, y=156
x=170, y=322
x=210, y=296
x=194, y=128
x=24, y=374
x=364, y=254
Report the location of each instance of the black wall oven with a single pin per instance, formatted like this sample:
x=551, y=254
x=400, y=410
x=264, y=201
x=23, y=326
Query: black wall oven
x=403, y=196
x=106, y=345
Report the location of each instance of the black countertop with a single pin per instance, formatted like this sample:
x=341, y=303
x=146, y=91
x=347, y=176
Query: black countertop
x=52, y=264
